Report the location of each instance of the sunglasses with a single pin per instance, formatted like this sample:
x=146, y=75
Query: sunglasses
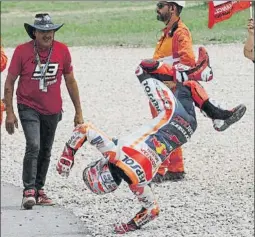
x=160, y=5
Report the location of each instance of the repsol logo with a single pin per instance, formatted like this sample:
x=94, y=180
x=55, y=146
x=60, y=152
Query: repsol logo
x=134, y=166
x=151, y=96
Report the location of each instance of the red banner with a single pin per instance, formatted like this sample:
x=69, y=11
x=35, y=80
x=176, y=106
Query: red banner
x=223, y=10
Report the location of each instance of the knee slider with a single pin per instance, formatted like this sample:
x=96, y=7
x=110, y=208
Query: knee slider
x=149, y=65
x=146, y=67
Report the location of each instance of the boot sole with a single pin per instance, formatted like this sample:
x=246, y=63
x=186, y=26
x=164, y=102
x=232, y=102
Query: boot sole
x=28, y=205
x=238, y=114
x=45, y=204
x=172, y=178
x=157, y=180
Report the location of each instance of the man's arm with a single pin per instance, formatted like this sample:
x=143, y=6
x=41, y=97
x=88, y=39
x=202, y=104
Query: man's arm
x=11, y=119
x=74, y=95
x=248, y=50
x=13, y=73
x=249, y=43
x=8, y=92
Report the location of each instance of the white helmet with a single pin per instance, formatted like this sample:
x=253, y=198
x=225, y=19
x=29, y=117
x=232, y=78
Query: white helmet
x=98, y=177
x=180, y=3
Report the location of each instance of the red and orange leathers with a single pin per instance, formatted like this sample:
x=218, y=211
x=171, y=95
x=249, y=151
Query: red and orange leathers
x=174, y=49
x=2, y=109
x=3, y=66
x=3, y=59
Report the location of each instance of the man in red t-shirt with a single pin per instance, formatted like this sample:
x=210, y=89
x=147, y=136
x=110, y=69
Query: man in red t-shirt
x=40, y=65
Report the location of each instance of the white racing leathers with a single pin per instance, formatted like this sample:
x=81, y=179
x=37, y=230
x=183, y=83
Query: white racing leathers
x=139, y=155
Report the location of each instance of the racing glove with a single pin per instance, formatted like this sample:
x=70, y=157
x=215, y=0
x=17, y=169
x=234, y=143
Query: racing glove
x=66, y=161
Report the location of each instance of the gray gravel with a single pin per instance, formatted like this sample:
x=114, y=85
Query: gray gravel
x=215, y=200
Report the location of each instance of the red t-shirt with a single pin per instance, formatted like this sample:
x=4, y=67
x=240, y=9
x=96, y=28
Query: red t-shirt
x=24, y=65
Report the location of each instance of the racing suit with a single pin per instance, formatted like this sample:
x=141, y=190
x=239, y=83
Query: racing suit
x=137, y=157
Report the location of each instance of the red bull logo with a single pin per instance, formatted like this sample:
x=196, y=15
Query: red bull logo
x=160, y=147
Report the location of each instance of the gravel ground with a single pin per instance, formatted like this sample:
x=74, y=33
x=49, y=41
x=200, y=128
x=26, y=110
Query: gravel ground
x=217, y=197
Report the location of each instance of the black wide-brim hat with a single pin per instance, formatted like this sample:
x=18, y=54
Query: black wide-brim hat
x=42, y=22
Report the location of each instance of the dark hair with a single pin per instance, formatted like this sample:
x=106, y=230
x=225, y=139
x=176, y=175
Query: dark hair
x=179, y=8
